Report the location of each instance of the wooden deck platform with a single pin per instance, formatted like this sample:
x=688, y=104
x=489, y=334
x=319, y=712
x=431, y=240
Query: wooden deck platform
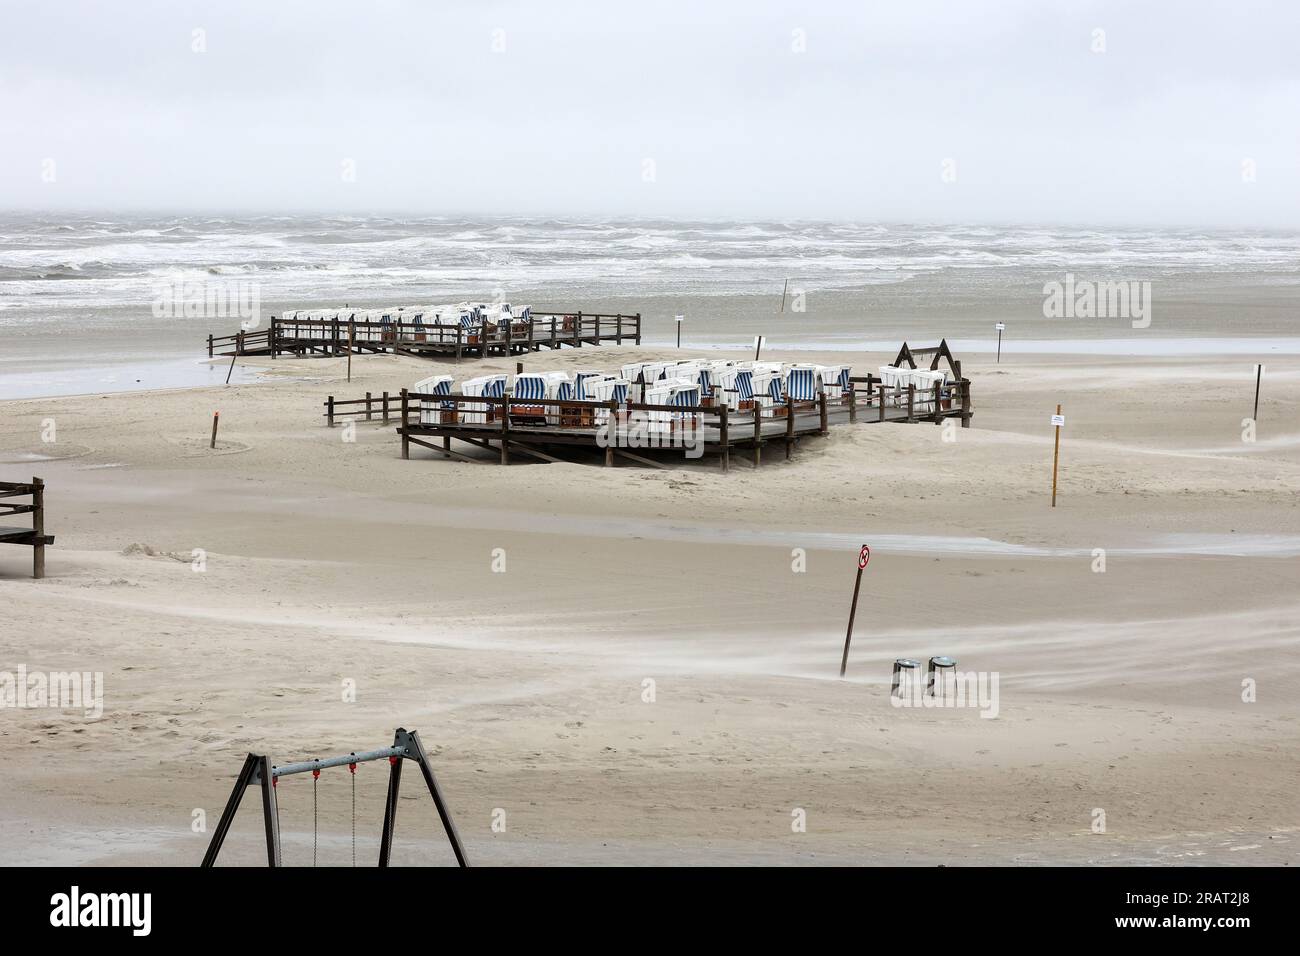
x=342, y=334
x=651, y=435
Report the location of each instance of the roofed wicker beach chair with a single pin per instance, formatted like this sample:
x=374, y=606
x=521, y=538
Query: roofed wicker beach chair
x=686, y=396
x=434, y=412
x=769, y=393
x=479, y=413
x=607, y=388
x=528, y=386
x=804, y=384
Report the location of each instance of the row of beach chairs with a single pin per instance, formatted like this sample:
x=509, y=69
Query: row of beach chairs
x=415, y=321
x=895, y=381
x=742, y=386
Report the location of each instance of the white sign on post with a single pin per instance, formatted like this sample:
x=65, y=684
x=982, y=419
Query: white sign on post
x=1058, y=420
x=1001, y=326
x=680, y=317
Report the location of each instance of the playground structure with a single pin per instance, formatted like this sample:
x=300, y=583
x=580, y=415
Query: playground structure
x=259, y=772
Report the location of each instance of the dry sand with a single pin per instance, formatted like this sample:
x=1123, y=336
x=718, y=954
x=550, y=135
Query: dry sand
x=329, y=561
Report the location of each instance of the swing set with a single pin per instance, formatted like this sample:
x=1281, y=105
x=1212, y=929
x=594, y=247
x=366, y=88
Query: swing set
x=259, y=772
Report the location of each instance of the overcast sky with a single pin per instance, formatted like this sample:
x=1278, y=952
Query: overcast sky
x=688, y=110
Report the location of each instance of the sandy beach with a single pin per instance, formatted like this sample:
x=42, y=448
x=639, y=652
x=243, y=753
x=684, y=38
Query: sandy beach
x=324, y=561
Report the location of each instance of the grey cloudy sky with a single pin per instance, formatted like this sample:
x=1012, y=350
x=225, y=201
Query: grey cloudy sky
x=737, y=120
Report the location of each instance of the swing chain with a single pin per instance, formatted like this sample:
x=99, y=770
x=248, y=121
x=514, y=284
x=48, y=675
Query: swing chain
x=352, y=769
x=315, y=818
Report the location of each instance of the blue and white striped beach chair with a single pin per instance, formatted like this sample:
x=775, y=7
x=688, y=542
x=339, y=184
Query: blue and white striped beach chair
x=528, y=386
x=803, y=383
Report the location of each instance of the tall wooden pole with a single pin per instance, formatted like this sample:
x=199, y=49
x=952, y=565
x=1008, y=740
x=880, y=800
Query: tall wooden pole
x=864, y=556
x=1056, y=456
x=352, y=337
x=216, y=417
x=1259, y=374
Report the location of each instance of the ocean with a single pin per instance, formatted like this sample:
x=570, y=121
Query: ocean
x=77, y=293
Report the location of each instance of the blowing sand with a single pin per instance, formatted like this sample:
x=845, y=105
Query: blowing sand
x=329, y=561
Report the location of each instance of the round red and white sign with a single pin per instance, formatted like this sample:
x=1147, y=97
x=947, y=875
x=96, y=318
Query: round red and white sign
x=863, y=557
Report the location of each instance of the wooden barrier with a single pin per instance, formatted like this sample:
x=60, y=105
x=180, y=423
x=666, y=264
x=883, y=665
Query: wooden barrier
x=303, y=337
x=35, y=536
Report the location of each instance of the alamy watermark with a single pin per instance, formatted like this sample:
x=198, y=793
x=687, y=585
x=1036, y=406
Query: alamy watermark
x=57, y=690
x=636, y=430
x=221, y=299
x=1088, y=299
x=968, y=689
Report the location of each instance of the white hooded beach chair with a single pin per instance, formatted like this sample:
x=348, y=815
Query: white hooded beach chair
x=434, y=412
x=769, y=393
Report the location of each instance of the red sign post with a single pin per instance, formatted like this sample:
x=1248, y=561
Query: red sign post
x=864, y=556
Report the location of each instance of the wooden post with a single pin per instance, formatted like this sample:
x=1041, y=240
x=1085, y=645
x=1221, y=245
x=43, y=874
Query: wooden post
x=231, y=369
x=758, y=435
x=864, y=556
x=505, y=429
x=597, y=328
x=270, y=338
x=938, y=415
x=239, y=344
x=367, y=406
x=638, y=328
x=531, y=346
x=385, y=408
x=911, y=403
x=1259, y=375
x=216, y=416
x=577, y=331
x=1056, y=457
x=460, y=341
x=880, y=397
x=789, y=425
x=825, y=414
x=38, y=528
x=352, y=340
x=618, y=329
x=853, y=402
x=406, y=441
x=209, y=345
x=329, y=411
x=965, y=403
x=724, y=437
x=611, y=432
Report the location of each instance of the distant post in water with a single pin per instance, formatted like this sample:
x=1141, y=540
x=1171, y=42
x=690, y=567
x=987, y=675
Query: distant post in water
x=1000, y=326
x=784, y=289
x=679, y=330
x=1058, y=420
x=216, y=417
x=759, y=342
x=1259, y=375
x=864, y=556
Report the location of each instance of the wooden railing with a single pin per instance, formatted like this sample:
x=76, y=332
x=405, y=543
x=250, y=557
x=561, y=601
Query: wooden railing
x=341, y=332
x=35, y=537
x=935, y=404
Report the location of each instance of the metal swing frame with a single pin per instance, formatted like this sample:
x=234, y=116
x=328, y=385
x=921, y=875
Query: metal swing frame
x=259, y=772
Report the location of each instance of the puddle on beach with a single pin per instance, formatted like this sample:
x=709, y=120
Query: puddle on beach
x=144, y=376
